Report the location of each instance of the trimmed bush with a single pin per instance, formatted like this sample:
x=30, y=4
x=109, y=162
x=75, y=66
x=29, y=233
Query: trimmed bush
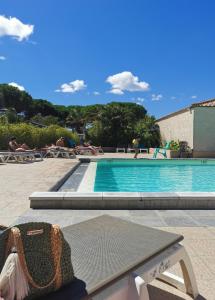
x=33, y=136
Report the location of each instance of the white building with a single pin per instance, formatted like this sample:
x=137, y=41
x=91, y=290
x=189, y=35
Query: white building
x=195, y=125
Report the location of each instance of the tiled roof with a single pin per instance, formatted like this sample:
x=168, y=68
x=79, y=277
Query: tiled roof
x=207, y=103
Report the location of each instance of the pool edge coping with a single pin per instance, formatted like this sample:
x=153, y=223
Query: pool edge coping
x=55, y=199
x=123, y=200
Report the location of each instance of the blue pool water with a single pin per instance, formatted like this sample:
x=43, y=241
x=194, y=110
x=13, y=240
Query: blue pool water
x=155, y=176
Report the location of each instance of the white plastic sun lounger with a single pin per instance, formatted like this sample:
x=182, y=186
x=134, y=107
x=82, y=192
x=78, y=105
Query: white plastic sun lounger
x=20, y=156
x=116, y=259
x=16, y=156
x=35, y=154
x=120, y=150
x=129, y=150
x=144, y=150
x=59, y=153
x=89, y=151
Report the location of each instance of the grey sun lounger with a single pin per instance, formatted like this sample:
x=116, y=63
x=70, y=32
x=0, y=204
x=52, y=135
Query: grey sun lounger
x=116, y=259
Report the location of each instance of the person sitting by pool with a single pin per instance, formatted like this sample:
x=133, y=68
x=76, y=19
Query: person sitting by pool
x=15, y=147
x=60, y=142
x=136, y=146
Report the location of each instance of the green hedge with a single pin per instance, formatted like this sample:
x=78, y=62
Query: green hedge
x=33, y=136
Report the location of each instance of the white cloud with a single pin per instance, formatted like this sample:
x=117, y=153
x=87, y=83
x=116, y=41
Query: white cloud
x=139, y=99
x=14, y=84
x=173, y=97
x=193, y=97
x=116, y=92
x=15, y=28
x=72, y=87
x=2, y=57
x=96, y=93
x=126, y=81
x=156, y=97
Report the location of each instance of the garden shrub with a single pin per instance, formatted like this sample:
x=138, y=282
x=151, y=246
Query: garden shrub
x=33, y=136
x=174, y=145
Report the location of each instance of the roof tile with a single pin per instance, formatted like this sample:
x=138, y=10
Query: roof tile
x=207, y=103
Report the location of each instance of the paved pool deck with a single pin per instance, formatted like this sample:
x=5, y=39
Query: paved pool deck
x=18, y=181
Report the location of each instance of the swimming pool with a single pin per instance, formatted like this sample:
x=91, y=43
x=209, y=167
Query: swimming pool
x=126, y=175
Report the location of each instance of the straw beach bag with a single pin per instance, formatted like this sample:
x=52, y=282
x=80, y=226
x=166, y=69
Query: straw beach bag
x=35, y=260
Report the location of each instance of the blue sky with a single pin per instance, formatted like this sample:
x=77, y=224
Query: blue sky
x=159, y=53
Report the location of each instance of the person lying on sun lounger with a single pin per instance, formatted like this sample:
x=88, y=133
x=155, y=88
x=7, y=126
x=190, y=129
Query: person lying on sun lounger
x=61, y=144
x=88, y=147
x=94, y=148
x=49, y=147
x=15, y=147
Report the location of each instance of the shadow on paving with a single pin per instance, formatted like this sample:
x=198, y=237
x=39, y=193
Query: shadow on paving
x=156, y=293
x=77, y=291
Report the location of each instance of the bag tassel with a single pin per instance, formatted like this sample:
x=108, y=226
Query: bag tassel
x=13, y=282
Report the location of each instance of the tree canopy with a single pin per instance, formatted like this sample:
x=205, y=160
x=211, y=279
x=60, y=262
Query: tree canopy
x=112, y=124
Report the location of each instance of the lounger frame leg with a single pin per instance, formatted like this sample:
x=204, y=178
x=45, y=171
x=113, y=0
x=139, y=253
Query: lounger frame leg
x=127, y=288
x=188, y=283
x=157, y=268
x=7, y=157
x=141, y=288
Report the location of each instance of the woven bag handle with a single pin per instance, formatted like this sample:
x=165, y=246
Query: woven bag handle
x=56, y=245
x=3, y=227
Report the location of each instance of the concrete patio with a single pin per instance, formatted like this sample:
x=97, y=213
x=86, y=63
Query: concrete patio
x=18, y=181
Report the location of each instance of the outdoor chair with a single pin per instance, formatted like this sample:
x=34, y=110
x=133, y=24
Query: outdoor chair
x=1, y=158
x=20, y=156
x=162, y=150
x=143, y=148
x=34, y=154
x=120, y=149
x=130, y=150
x=55, y=153
x=88, y=151
x=99, y=150
x=115, y=259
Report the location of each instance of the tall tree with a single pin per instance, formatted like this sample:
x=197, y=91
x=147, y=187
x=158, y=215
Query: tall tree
x=76, y=119
x=117, y=120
